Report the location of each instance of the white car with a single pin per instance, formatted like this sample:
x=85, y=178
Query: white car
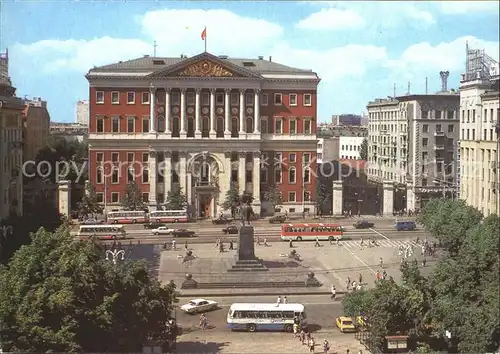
x=162, y=230
x=199, y=305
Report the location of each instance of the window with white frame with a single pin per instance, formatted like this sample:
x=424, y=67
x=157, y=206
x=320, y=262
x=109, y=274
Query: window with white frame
x=263, y=125
x=306, y=158
x=190, y=98
x=100, y=125
x=176, y=98
x=130, y=124
x=264, y=99
x=100, y=157
x=115, y=197
x=115, y=174
x=205, y=98
x=235, y=99
x=263, y=175
x=291, y=197
x=99, y=175
x=130, y=174
x=130, y=97
x=99, y=97
x=292, y=157
x=115, y=97
x=278, y=99
x=100, y=197
x=249, y=99
x=278, y=126
x=145, y=157
x=307, y=196
x=307, y=126
x=115, y=157
x=307, y=175
x=145, y=175
x=293, y=126
x=115, y=124
x=307, y=99
x=219, y=98
x=293, y=99
x=130, y=157
x=292, y=175
x=145, y=98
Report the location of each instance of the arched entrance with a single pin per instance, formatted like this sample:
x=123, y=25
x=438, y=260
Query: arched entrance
x=205, y=169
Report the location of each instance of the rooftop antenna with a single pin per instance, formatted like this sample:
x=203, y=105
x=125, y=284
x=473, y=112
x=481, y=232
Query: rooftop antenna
x=394, y=89
x=426, y=85
x=154, y=49
x=444, y=80
x=409, y=86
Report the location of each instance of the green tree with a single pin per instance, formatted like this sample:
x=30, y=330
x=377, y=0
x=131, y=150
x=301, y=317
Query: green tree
x=274, y=196
x=232, y=200
x=59, y=295
x=176, y=200
x=89, y=204
x=449, y=220
x=132, y=199
x=363, y=150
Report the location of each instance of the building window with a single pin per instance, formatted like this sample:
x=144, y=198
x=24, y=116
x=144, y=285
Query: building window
x=249, y=99
x=292, y=175
x=278, y=99
x=190, y=98
x=219, y=98
x=145, y=197
x=100, y=157
x=439, y=129
x=130, y=124
x=130, y=97
x=264, y=99
x=115, y=196
x=145, y=124
x=99, y=175
x=145, y=175
x=439, y=114
x=307, y=99
x=220, y=127
x=249, y=125
x=450, y=114
x=115, y=175
x=451, y=128
x=145, y=98
x=424, y=181
x=291, y=197
x=425, y=114
x=115, y=124
x=307, y=196
x=115, y=97
x=278, y=126
x=263, y=175
x=307, y=126
x=100, y=125
x=130, y=157
x=145, y=157
x=293, y=126
x=176, y=98
x=99, y=97
x=100, y=197
x=114, y=157
x=205, y=127
x=175, y=127
x=278, y=176
x=234, y=127
x=235, y=99
x=425, y=141
x=306, y=158
x=205, y=98
x=292, y=157
x=425, y=128
x=130, y=175
x=307, y=175
x=293, y=99
x=190, y=127
x=263, y=125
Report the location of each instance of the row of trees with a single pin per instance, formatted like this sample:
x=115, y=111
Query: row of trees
x=461, y=295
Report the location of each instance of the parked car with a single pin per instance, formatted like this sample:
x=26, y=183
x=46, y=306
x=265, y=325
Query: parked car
x=345, y=324
x=182, y=233
x=153, y=225
x=277, y=219
x=221, y=221
x=363, y=224
x=162, y=230
x=199, y=305
x=231, y=230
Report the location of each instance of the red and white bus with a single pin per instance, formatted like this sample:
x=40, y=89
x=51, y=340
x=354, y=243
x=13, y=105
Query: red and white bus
x=174, y=216
x=126, y=217
x=311, y=232
x=105, y=232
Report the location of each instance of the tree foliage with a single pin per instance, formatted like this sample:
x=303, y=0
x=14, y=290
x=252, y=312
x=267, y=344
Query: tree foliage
x=232, y=199
x=176, y=200
x=60, y=295
x=132, y=199
x=363, y=150
x=322, y=197
x=461, y=294
x=89, y=204
x=274, y=196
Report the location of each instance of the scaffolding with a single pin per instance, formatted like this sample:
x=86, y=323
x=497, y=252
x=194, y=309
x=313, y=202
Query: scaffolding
x=479, y=65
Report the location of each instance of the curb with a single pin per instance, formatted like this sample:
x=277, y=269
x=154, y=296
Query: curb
x=262, y=293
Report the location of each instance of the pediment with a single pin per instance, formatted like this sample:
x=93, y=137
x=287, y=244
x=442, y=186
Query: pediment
x=203, y=66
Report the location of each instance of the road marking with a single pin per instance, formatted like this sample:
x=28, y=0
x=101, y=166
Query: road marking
x=380, y=234
x=359, y=259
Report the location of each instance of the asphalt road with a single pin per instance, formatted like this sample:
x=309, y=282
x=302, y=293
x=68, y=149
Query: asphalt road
x=321, y=311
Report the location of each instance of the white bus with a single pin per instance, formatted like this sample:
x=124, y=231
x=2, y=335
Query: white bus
x=265, y=317
x=107, y=232
x=126, y=217
x=174, y=216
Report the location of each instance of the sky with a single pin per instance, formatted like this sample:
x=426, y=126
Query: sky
x=359, y=49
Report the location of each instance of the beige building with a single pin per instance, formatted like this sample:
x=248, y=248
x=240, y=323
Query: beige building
x=480, y=133
x=82, y=112
x=11, y=145
x=35, y=127
x=411, y=145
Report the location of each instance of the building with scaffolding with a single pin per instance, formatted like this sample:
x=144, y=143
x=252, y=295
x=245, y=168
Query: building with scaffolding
x=478, y=174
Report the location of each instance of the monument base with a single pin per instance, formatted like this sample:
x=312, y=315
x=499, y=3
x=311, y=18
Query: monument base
x=251, y=265
x=246, y=261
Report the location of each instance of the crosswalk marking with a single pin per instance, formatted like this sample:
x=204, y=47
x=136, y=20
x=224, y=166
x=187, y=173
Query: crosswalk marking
x=381, y=243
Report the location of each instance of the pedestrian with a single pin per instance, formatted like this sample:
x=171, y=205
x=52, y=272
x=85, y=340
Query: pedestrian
x=231, y=245
x=317, y=242
x=381, y=263
x=302, y=337
x=186, y=245
x=384, y=274
x=348, y=283
x=424, y=262
x=285, y=300
x=359, y=287
x=203, y=322
x=173, y=246
x=377, y=275
x=362, y=243
x=295, y=330
x=258, y=240
x=221, y=247
x=326, y=346
x=278, y=301
x=354, y=285
x=334, y=292
x=338, y=241
x=360, y=278
x=265, y=242
x=312, y=344
x=290, y=243
x=217, y=242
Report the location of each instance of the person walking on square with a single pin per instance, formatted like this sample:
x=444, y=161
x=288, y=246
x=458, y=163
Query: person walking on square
x=360, y=278
x=278, y=301
x=285, y=300
x=295, y=330
x=186, y=247
x=381, y=263
x=326, y=347
x=312, y=344
x=334, y=293
x=302, y=337
x=317, y=242
x=231, y=245
x=203, y=322
x=173, y=246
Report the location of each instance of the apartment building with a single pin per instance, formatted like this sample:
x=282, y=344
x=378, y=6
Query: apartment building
x=82, y=112
x=412, y=143
x=480, y=133
x=36, y=121
x=327, y=149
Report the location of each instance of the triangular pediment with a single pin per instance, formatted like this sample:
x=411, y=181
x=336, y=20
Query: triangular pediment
x=205, y=65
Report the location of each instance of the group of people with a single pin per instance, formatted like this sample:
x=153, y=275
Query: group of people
x=220, y=245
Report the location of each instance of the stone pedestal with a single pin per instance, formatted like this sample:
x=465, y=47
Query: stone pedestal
x=64, y=197
x=247, y=261
x=189, y=283
x=311, y=280
x=388, y=205
x=337, y=198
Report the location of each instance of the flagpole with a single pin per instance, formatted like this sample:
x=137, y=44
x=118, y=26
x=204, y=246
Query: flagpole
x=205, y=38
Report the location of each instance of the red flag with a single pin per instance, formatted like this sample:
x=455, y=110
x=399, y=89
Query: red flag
x=204, y=34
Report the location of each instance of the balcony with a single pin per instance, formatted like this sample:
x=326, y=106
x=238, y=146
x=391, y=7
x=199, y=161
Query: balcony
x=439, y=133
x=439, y=159
x=494, y=165
x=205, y=186
x=439, y=147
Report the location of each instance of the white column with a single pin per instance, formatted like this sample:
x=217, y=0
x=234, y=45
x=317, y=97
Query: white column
x=152, y=91
x=224, y=180
x=241, y=171
x=168, y=112
x=182, y=171
x=242, y=112
x=212, y=112
x=256, y=111
x=197, y=133
x=152, y=178
x=189, y=179
x=227, y=113
x=256, y=182
x=183, y=111
x=167, y=173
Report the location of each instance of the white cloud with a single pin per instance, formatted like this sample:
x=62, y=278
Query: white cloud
x=332, y=19
x=467, y=7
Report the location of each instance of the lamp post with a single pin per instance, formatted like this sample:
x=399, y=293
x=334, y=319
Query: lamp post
x=445, y=185
x=115, y=255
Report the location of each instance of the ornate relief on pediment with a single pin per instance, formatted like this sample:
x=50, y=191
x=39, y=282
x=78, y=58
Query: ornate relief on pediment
x=205, y=68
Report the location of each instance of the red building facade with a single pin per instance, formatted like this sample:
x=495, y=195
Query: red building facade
x=200, y=124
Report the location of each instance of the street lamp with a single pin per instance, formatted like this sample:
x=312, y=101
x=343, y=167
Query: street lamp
x=445, y=185
x=115, y=254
